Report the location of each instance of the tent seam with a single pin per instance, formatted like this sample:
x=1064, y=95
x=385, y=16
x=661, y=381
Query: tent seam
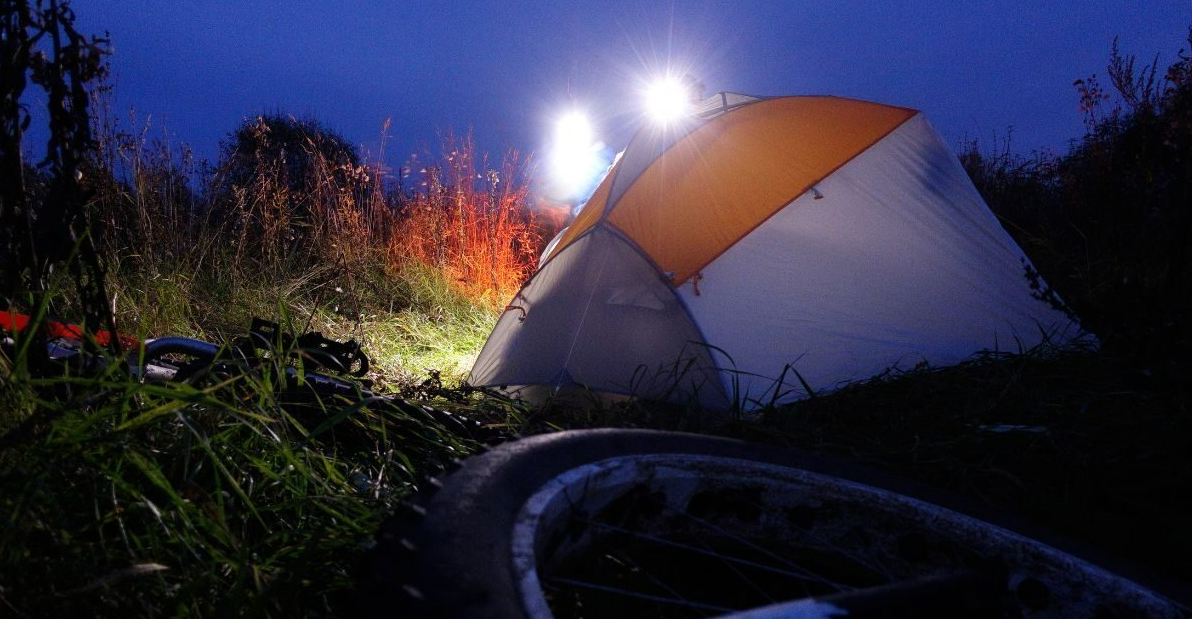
x=710, y=121
x=620, y=234
x=559, y=251
x=787, y=202
x=584, y=316
x=608, y=200
x=705, y=123
x=519, y=292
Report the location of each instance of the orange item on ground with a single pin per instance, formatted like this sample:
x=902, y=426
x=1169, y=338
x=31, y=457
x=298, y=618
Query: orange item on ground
x=14, y=322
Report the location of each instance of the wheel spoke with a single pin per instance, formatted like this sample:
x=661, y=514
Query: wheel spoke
x=795, y=572
x=871, y=561
x=806, y=573
x=583, y=584
x=625, y=560
x=741, y=575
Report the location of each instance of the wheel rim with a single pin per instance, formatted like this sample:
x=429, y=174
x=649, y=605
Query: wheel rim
x=1037, y=577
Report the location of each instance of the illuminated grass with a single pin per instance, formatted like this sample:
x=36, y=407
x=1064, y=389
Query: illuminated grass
x=220, y=498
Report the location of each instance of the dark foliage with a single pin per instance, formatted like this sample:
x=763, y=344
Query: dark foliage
x=271, y=170
x=41, y=47
x=1109, y=223
x=291, y=142
x=1088, y=445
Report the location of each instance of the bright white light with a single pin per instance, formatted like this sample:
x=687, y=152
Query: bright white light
x=573, y=132
x=667, y=100
x=573, y=156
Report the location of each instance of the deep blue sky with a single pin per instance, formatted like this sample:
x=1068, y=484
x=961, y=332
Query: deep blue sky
x=508, y=69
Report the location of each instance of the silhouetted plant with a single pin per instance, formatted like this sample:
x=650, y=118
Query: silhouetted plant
x=40, y=46
x=292, y=142
x=1108, y=224
x=269, y=165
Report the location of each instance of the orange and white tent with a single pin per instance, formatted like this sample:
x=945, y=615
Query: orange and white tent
x=767, y=246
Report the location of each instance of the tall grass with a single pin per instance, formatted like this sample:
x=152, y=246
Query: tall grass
x=238, y=492
x=230, y=495
x=469, y=222
x=430, y=255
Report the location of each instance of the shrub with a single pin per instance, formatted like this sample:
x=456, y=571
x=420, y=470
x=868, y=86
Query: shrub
x=1108, y=224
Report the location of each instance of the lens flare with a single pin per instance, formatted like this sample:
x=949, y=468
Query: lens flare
x=573, y=132
x=574, y=157
x=668, y=100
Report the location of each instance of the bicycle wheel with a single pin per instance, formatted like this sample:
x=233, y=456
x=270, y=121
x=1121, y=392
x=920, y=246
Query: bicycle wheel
x=628, y=523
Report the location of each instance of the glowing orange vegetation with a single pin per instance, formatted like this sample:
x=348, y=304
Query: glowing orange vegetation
x=474, y=224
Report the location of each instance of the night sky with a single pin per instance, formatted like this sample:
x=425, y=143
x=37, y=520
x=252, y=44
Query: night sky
x=509, y=69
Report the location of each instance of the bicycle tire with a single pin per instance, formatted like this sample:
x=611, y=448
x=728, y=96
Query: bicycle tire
x=454, y=550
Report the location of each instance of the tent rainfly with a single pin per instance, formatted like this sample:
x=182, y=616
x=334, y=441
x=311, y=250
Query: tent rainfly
x=768, y=246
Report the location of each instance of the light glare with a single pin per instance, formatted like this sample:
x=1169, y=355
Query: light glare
x=667, y=100
x=574, y=156
x=573, y=132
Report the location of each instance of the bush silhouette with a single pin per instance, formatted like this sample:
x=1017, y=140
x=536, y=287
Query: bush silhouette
x=287, y=141
x=1108, y=224
x=271, y=168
